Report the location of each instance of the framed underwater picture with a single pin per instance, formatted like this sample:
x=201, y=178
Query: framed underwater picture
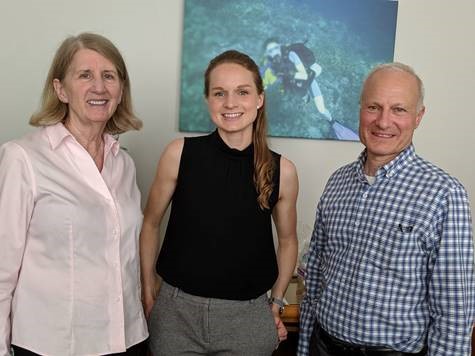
x=313, y=56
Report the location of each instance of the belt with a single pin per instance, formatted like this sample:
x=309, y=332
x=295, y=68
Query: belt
x=339, y=347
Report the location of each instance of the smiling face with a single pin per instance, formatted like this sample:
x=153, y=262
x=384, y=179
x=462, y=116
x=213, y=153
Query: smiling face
x=92, y=88
x=389, y=114
x=233, y=99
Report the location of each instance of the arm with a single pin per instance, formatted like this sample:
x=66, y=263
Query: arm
x=301, y=72
x=317, y=68
x=16, y=206
x=285, y=219
x=452, y=283
x=307, y=307
x=159, y=198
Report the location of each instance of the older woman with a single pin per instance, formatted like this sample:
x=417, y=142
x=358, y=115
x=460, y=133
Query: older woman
x=70, y=214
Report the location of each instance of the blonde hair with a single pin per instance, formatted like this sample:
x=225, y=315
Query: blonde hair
x=264, y=165
x=52, y=110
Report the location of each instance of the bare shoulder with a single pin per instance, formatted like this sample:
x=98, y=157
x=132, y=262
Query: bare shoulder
x=174, y=149
x=164, y=183
x=289, y=183
x=287, y=169
x=169, y=162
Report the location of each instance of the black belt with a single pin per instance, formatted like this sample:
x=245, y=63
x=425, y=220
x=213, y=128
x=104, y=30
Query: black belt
x=342, y=348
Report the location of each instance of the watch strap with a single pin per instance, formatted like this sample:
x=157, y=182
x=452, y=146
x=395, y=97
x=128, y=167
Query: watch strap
x=278, y=301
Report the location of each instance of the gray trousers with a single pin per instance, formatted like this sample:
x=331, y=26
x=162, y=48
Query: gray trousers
x=184, y=324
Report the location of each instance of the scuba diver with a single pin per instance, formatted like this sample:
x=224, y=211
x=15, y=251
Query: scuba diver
x=295, y=67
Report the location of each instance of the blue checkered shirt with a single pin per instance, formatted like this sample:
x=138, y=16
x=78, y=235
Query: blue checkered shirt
x=391, y=264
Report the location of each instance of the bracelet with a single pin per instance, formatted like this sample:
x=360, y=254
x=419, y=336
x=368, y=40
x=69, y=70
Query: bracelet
x=279, y=302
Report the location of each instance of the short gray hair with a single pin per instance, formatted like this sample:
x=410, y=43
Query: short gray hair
x=397, y=66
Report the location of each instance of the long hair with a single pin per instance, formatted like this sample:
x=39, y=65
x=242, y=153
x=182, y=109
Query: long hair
x=52, y=110
x=263, y=161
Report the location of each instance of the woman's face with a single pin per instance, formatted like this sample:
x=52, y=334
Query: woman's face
x=233, y=99
x=92, y=88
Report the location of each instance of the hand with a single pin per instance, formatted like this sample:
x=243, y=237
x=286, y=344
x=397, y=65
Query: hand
x=281, y=329
x=279, y=324
x=149, y=294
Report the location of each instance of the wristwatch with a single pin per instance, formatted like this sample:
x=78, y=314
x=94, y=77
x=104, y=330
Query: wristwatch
x=279, y=302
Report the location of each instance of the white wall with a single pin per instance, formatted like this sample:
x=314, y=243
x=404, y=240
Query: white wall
x=436, y=37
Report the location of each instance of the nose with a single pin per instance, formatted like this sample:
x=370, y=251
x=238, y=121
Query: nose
x=384, y=119
x=230, y=101
x=98, y=84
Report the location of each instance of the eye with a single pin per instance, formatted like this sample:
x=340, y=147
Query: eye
x=371, y=108
x=399, y=110
x=84, y=75
x=218, y=93
x=109, y=76
x=243, y=92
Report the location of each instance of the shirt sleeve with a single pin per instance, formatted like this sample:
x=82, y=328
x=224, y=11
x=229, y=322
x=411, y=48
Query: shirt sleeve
x=16, y=206
x=452, y=283
x=312, y=283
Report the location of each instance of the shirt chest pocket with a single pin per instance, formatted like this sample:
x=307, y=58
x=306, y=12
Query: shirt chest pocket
x=397, y=249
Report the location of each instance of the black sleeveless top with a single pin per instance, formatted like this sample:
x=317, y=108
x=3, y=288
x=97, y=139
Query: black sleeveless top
x=218, y=242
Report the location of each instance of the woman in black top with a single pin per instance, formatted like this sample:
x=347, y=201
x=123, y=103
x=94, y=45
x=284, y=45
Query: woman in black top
x=218, y=260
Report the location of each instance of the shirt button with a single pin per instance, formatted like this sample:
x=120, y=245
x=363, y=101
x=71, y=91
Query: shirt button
x=365, y=195
x=357, y=223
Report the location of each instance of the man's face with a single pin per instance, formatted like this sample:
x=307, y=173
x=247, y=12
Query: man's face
x=273, y=51
x=389, y=114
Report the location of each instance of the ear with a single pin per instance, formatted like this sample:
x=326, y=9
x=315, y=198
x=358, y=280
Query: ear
x=260, y=101
x=419, y=116
x=60, y=92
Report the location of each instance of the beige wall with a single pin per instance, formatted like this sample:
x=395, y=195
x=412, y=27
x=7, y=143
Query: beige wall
x=436, y=37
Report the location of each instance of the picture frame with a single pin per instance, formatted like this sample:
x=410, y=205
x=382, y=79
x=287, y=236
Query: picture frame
x=343, y=38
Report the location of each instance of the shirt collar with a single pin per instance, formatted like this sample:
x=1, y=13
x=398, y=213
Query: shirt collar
x=57, y=133
x=389, y=169
x=111, y=144
x=219, y=142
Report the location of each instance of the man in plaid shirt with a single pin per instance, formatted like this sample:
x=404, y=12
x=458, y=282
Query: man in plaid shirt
x=390, y=268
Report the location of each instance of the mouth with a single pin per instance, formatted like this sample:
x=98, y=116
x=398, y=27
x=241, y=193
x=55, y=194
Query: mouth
x=97, y=102
x=383, y=135
x=231, y=115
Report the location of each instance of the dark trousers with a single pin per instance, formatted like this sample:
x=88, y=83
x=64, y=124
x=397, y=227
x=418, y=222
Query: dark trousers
x=324, y=344
x=139, y=349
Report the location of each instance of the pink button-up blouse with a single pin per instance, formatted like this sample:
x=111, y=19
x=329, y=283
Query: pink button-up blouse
x=69, y=265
